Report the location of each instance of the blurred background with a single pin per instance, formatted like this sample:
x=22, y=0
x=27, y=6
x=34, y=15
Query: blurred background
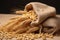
x=8, y=6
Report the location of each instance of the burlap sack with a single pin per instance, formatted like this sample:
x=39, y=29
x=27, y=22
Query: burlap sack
x=42, y=11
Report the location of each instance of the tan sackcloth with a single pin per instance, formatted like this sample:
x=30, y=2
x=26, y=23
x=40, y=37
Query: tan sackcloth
x=42, y=11
x=51, y=25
